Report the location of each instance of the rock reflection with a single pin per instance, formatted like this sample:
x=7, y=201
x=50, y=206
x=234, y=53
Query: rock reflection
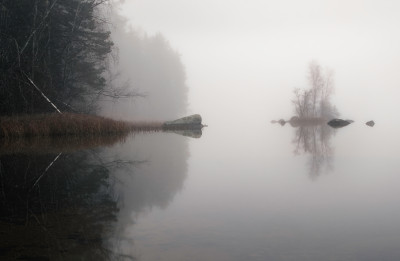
x=192, y=133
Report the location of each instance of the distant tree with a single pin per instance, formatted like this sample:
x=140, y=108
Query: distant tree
x=314, y=102
x=322, y=85
x=302, y=103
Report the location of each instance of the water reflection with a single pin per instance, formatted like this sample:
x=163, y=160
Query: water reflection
x=154, y=183
x=50, y=145
x=52, y=212
x=76, y=204
x=313, y=137
x=314, y=140
x=313, y=109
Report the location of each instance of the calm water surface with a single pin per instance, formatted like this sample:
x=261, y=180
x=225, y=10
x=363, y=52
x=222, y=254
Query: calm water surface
x=267, y=192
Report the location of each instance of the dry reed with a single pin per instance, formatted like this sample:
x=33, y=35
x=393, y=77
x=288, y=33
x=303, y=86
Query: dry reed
x=49, y=125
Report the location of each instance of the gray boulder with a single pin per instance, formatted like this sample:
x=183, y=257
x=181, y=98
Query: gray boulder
x=338, y=123
x=370, y=123
x=189, y=122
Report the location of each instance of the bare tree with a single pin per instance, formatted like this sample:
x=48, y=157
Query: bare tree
x=314, y=102
x=302, y=103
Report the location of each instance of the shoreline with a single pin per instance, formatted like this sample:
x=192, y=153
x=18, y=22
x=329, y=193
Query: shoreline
x=85, y=125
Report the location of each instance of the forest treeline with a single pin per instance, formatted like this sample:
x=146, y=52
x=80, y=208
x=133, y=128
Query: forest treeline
x=60, y=54
x=59, y=46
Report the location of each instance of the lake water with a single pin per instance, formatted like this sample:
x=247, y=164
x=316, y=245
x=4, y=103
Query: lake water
x=267, y=192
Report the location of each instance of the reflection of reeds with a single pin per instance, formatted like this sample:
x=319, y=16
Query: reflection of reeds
x=39, y=145
x=47, y=125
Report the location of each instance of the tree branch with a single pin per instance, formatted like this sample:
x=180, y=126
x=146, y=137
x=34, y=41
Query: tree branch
x=43, y=95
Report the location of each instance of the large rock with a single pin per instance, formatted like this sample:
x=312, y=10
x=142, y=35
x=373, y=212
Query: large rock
x=339, y=123
x=370, y=123
x=189, y=122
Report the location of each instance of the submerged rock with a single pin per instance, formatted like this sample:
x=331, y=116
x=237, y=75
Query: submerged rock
x=189, y=122
x=339, y=123
x=281, y=122
x=370, y=123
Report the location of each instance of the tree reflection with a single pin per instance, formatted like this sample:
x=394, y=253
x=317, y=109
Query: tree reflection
x=154, y=184
x=78, y=205
x=66, y=212
x=315, y=141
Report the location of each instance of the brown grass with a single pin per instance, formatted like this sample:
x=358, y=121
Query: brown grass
x=67, y=124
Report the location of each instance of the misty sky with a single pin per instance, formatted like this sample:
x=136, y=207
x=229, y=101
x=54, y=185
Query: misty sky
x=251, y=54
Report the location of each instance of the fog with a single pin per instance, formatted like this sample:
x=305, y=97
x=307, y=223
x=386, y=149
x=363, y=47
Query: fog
x=243, y=188
x=313, y=184
x=151, y=183
x=243, y=59
x=149, y=70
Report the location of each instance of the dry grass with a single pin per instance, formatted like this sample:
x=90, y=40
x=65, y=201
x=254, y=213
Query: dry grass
x=67, y=124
